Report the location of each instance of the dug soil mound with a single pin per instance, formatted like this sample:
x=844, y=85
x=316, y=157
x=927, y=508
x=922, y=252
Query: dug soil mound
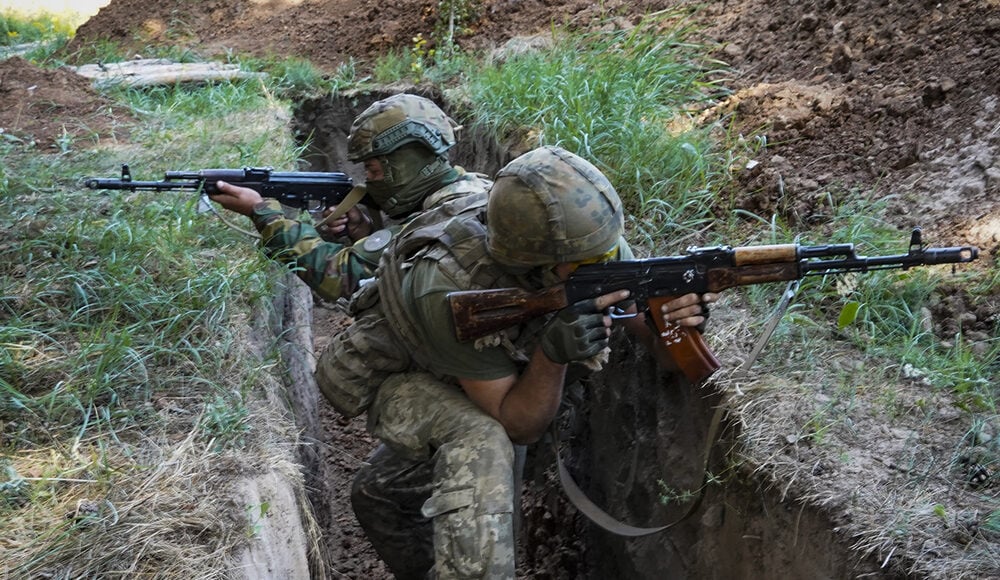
x=54, y=108
x=879, y=96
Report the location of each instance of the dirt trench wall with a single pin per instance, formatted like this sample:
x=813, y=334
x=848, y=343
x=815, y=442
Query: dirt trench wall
x=323, y=124
x=643, y=427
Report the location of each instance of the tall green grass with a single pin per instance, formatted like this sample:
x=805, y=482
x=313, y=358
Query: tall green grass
x=120, y=316
x=16, y=28
x=624, y=100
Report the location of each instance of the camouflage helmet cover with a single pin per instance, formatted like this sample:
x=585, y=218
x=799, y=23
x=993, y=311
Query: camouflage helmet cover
x=395, y=121
x=550, y=206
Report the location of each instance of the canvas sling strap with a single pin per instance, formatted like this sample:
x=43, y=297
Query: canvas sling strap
x=603, y=519
x=600, y=517
x=350, y=200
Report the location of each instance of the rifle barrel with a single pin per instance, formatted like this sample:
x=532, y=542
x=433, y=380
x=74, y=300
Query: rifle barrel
x=923, y=257
x=128, y=185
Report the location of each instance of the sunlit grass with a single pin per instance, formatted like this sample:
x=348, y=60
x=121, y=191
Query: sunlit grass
x=121, y=321
x=18, y=28
x=615, y=98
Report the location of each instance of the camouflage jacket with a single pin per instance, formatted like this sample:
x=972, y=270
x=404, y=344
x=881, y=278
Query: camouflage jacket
x=335, y=270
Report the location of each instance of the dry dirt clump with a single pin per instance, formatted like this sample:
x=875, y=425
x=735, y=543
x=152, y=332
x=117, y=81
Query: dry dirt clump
x=54, y=108
x=874, y=96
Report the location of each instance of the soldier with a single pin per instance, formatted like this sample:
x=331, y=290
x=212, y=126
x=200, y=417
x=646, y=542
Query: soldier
x=403, y=142
x=437, y=498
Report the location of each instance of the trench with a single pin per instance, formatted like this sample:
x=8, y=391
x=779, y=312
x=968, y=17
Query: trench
x=629, y=434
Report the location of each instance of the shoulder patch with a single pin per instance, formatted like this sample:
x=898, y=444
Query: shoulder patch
x=377, y=240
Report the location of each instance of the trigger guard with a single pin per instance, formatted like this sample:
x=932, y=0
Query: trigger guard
x=616, y=312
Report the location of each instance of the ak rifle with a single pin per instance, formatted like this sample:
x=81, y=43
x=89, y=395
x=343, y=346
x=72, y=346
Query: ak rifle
x=652, y=282
x=308, y=190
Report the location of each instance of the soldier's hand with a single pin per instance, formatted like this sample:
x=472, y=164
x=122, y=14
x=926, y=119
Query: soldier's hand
x=355, y=224
x=235, y=198
x=580, y=330
x=688, y=310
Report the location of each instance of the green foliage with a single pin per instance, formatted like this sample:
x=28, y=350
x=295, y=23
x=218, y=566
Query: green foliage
x=420, y=54
x=14, y=490
x=118, y=311
x=109, y=297
x=224, y=421
x=255, y=515
x=16, y=28
x=615, y=98
x=453, y=19
x=992, y=522
x=296, y=78
x=389, y=67
x=4, y=180
x=422, y=63
x=848, y=314
x=670, y=495
x=882, y=314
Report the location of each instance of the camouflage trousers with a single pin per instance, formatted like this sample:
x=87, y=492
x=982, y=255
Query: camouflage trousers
x=441, y=489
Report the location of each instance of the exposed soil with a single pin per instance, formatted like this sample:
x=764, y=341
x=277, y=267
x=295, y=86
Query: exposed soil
x=899, y=98
x=54, y=108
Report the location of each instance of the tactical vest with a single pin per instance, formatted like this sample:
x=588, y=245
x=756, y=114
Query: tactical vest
x=454, y=236
x=384, y=339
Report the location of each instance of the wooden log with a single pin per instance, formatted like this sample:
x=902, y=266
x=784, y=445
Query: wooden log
x=146, y=72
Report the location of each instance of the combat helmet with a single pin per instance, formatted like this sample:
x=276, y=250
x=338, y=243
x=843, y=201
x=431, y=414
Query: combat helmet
x=410, y=135
x=550, y=206
x=398, y=120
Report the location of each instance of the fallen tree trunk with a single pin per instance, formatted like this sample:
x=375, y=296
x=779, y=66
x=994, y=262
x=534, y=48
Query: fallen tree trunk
x=147, y=72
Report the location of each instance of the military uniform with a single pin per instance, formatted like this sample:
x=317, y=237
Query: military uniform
x=336, y=270
x=409, y=135
x=447, y=470
x=332, y=270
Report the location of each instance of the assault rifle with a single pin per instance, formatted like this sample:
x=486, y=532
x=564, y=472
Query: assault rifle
x=309, y=190
x=654, y=281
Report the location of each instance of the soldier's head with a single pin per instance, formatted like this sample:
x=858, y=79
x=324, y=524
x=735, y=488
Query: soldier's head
x=403, y=141
x=551, y=207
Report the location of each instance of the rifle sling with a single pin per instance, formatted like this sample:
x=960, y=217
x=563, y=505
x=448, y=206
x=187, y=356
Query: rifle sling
x=600, y=517
x=349, y=201
x=593, y=512
x=779, y=311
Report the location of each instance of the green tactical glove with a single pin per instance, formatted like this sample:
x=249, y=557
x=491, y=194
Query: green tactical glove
x=576, y=333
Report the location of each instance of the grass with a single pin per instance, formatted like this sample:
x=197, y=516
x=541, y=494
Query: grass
x=16, y=28
x=127, y=384
x=623, y=99
x=129, y=392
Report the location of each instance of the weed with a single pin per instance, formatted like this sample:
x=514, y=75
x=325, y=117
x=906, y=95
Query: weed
x=613, y=97
x=224, y=422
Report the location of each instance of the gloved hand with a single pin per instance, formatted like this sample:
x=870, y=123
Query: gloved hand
x=575, y=333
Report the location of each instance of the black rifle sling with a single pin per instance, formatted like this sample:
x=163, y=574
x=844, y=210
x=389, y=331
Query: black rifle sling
x=600, y=517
